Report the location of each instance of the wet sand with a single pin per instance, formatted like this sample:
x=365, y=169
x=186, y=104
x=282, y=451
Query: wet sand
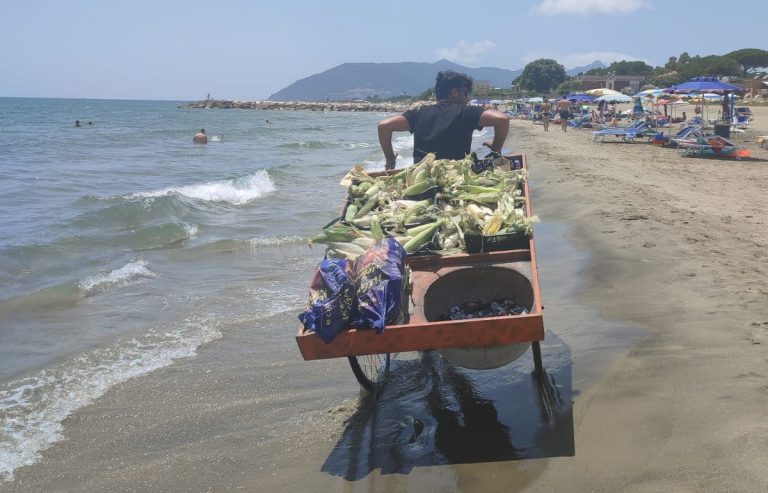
x=670, y=250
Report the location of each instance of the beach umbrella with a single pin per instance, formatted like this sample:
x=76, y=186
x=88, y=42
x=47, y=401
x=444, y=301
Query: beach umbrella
x=580, y=97
x=706, y=85
x=703, y=85
x=614, y=98
x=649, y=93
x=601, y=91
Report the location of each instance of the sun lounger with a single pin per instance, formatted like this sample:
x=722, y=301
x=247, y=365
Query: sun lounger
x=627, y=134
x=714, y=146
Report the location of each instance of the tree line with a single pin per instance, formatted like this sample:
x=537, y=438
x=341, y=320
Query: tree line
x=545, y=75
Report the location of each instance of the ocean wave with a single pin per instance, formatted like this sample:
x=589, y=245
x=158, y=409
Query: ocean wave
x=124, y=274
x=321, y=144
x=237, y=191
x=159, y=236
x=32, y=409
x=307, y=144
x=70, y=293
x=231, y=245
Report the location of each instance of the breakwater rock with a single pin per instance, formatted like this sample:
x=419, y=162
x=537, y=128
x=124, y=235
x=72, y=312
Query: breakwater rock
x=303, y=105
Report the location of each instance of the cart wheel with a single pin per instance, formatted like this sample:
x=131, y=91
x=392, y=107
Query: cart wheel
x=369, y=369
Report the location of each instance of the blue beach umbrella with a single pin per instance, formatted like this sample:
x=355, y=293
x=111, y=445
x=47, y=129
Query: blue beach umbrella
x=580, y=97
x=704, y=85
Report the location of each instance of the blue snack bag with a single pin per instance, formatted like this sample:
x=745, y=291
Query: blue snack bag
x=379, y=281
x=331, y=299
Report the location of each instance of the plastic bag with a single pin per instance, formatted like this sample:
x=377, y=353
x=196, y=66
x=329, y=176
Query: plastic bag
x=331, y=299
x=380, y=282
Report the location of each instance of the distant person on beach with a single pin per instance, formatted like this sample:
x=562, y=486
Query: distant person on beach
x=200, y=137
x=77, y=123
x=545, y=115
x=208, y=98
x=444, y=128
x=564, y=108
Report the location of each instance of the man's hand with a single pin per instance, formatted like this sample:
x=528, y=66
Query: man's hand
x=386, y=128
x=500, y=123
x=390, y=164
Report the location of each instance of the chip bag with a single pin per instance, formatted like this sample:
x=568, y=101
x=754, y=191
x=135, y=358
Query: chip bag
x=331, y=299
x=380, y=281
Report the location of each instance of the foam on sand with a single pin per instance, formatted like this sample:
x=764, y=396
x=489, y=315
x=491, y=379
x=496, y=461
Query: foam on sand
x=32, y=409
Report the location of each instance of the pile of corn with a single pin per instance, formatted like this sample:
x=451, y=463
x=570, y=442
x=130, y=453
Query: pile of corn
x=430, y=206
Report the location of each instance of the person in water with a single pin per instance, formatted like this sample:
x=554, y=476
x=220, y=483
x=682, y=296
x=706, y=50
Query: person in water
x=77, y=123
x=444, y=128
x=200, y=137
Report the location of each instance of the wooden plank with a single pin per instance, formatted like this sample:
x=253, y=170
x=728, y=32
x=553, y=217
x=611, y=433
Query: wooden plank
x=484, y=332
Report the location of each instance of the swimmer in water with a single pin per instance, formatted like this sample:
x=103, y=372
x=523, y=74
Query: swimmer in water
x=200, y=137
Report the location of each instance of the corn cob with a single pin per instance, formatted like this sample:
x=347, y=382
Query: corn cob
x=336, y=233
x=421, y=239
x=349, y=215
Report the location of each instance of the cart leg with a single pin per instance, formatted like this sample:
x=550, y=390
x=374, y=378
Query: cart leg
x=536, y=348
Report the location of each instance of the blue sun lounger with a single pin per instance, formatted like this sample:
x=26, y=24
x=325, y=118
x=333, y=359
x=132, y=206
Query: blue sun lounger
x=627, y=134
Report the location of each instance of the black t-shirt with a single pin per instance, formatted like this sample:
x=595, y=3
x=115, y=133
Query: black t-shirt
x=443, y=128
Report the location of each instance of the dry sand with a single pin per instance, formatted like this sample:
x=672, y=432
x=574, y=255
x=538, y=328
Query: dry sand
x=679, y=247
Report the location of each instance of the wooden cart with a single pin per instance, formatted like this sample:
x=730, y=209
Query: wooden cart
x=437, y=283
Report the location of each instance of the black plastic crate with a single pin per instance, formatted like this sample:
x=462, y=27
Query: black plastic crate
x=495, y=243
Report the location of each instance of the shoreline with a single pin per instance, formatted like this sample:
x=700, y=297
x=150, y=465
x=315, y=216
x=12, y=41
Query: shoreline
x=301, y=105
x=678, y=248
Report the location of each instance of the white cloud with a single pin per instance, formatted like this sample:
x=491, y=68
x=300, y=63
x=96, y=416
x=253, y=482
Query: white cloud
x=571, y=60
x=465, y=52
x=556, y=7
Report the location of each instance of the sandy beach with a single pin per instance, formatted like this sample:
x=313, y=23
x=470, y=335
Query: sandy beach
x=657, y=342
x=678, y=247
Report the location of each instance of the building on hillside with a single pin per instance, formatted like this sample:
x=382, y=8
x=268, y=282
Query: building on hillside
x=756, y=87
x=481, y=87
x=611, y=81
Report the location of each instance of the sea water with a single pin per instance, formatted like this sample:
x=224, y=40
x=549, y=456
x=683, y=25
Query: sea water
x=125, y=248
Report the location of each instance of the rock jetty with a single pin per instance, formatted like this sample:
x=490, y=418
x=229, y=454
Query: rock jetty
x=302, y=105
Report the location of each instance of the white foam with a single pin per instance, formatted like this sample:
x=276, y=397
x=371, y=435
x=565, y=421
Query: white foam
x=190, y=230
x=122, y=275
x=269, y=302
x=275, y=240
x=402, y=142
x=357, y=145
x=237, y=191
x=32, y=409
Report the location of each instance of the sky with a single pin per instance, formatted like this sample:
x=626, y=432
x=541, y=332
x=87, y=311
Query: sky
x=183, y=50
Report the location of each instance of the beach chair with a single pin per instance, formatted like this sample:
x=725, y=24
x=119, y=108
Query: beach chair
x=710, y=146
x=627, y=134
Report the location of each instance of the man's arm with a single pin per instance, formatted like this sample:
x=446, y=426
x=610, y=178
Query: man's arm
x=386, y=129
x=500, y=123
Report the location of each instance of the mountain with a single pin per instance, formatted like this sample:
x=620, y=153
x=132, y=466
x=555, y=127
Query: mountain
x=364, y=80
x=578, y=70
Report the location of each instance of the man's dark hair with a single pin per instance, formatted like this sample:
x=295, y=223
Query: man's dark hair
x=202, y=130
x=447, y=80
